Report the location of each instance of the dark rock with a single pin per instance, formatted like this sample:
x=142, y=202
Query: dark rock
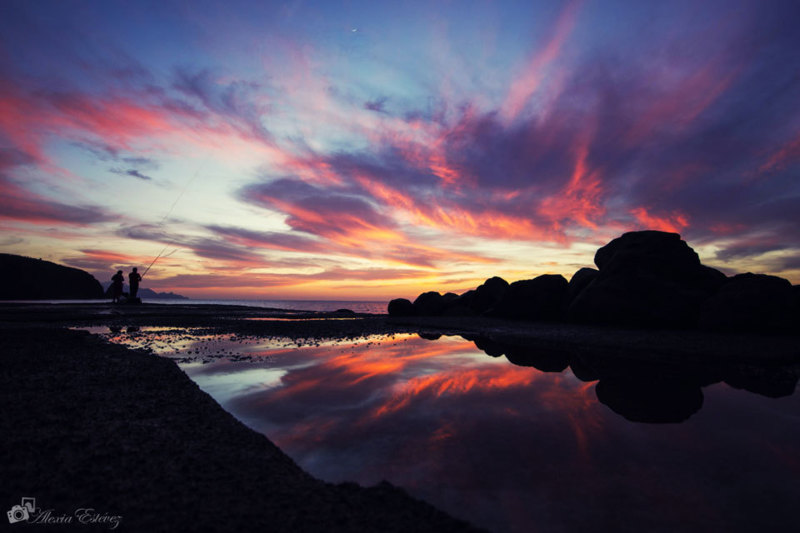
x=646, y=278
x=580, y=280
x=345, y=312
x=459, y=310
x=488, y=294
x=655, y=401
x=465, y=299
x=456, y=305
x=401, y=307
x=657, y=251
x=449, y=298
x=430, y=304
x=429, y=336
x=751, y=302
x=796, y=298
x=25, y=278
x=533, y=299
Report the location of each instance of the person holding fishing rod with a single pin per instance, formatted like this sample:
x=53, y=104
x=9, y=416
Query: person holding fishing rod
x=133, y=280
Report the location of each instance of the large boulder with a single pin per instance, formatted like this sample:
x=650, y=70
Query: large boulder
x=430, y=304
x=401, y=307
x=25, y=278
x=539, y=298
x=488, y=294
x=646, y=278
x=751, y=302
x=579, y=281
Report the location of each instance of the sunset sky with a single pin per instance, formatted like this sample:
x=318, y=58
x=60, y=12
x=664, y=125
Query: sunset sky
x=370, y=150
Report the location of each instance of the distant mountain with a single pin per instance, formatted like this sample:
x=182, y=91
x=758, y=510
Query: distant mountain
x=26, y=278
x=144, y=292
x=149, y=293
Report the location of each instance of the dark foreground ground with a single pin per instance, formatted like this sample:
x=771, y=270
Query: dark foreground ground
x=86, y=424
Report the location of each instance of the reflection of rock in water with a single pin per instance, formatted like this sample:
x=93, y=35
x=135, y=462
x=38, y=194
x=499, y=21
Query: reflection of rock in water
x=582, y=370
x=541, y=359
x=644, y=386
x=429, y=336
x=772, y=382
x=655, y=401
x=544, y=359
x=492, y=348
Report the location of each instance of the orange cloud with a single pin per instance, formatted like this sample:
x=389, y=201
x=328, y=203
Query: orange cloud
x=674, y=222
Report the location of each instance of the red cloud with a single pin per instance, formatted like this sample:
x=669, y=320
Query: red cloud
x=674, y=222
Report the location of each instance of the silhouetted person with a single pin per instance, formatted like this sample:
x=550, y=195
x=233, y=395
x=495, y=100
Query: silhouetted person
x=116, y=286
x=133, y=279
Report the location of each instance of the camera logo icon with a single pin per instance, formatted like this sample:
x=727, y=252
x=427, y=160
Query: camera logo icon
x=21, y=513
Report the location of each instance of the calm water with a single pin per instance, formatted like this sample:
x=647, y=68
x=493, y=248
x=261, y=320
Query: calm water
x=358, y=306
x=512, y=447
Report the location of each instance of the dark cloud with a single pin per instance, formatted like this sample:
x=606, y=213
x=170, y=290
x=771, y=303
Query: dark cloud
x=17, y=203
x=144, y=232
x=378, y=105
x=131, y=172
x=314, y=210
x=749, y=250
x=233, y=100
x=269, y=239
x=12, y=157
x=222, y=249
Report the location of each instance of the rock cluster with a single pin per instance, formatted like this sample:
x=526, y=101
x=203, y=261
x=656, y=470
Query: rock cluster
x=643, y=279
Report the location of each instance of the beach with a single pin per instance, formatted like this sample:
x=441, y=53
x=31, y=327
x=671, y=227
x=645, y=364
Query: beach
x=89, y=424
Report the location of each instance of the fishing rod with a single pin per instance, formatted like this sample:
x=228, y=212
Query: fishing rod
x=156, y=259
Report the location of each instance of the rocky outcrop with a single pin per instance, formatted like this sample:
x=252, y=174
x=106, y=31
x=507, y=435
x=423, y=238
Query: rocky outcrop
x=25, y=278
x=430, y=304
x=748, y=302
x=532, y=299
x=401, y=307
x=579, y=281
x=646, y=278
x=649, y=279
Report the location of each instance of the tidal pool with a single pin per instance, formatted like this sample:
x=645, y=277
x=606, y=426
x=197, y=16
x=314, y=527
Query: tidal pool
x=520, y=440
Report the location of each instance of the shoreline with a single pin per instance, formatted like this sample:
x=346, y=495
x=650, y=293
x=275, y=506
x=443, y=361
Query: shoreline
x=88, y=424
x=592, y=340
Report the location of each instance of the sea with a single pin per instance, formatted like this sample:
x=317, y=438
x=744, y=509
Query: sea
x=536, y=440
x=357, y=306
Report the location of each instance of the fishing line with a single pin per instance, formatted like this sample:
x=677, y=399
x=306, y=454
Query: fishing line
x=169, y=212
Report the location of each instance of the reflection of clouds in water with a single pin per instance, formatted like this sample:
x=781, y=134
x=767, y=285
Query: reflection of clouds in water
x=510, y=445
x=408, y=402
